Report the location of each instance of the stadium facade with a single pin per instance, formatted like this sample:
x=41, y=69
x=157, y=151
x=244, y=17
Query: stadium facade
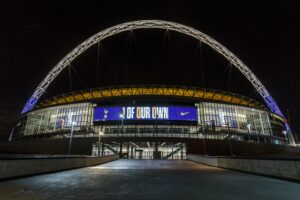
x=156, y=112
x=152, y=121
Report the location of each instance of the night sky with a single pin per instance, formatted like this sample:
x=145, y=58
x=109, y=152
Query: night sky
x=35, y=35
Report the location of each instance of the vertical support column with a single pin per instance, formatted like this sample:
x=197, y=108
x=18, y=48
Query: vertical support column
x=121, y=150
x=156, y=153
x=203, y=118
x=181, y=153
x=99, y=139
x=128, y=150
x=172, y=151
x=229, y=139
x=102, y=151
x=131, y=153
x=204, y=146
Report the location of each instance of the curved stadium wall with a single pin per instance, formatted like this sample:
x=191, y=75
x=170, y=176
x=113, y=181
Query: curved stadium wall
x=217, y=116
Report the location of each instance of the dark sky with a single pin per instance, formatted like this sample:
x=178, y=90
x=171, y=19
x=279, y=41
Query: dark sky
x=35, y=35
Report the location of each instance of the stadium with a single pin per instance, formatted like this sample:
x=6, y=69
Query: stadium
x=152, y=121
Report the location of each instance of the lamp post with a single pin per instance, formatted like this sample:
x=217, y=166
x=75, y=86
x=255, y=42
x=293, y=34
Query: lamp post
x=99, y=139
x=122, y=118
x=284, y=133
x=230, y=147
x=204, y=146
x=11, y=134
x=249, y=128
x=71, y=137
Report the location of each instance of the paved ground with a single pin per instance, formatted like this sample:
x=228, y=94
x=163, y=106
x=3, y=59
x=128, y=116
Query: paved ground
x=149, y=179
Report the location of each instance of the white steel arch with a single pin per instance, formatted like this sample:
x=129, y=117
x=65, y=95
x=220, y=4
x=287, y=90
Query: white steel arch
x=153, y=24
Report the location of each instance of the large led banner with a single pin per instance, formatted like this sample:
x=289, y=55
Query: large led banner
x=187, y=113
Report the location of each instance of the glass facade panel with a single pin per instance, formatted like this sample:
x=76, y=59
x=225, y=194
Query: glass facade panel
x=58, y=118
x=216, y=116
x=211, y=116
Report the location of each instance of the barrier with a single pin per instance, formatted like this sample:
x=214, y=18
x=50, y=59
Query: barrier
x=279, y=168
x=10, y=168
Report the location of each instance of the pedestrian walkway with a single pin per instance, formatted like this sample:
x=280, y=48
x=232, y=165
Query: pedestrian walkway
x=149, y=179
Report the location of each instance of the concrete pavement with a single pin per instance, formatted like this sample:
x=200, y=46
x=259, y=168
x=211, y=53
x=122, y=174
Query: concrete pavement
x=149, y=179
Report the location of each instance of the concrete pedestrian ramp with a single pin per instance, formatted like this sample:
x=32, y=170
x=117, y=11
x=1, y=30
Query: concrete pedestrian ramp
x=149, y=180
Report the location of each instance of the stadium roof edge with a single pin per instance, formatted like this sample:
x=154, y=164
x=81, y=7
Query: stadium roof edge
x=150, y=90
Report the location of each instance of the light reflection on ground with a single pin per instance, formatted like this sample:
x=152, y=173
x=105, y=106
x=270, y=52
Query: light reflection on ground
x=148, y=179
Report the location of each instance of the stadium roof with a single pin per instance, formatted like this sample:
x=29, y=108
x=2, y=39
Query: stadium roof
x=162, y=91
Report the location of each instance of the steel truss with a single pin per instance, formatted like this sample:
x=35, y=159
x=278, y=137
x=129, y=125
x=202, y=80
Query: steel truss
x=153, y=24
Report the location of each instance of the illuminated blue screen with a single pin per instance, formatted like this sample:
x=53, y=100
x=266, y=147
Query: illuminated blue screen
x=172, y=113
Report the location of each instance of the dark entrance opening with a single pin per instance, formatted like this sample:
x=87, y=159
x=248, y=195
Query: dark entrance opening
x=142, y=150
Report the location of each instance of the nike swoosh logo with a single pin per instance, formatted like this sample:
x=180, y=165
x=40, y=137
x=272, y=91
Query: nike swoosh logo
x=184, y=113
